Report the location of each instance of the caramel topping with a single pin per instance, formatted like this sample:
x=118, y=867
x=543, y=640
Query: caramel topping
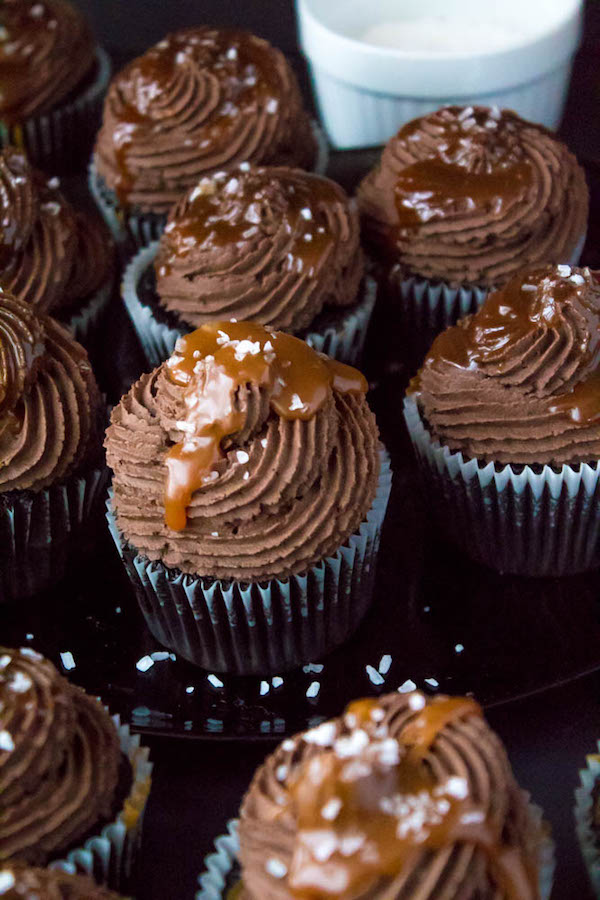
x=194, y=59
x=212, y=363
x=368, y=806
x=224, y=212
x=530, y=302
x=476, y=163
x=582, y=404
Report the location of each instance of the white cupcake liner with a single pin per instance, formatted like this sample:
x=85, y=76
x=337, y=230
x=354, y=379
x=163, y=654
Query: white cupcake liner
x=60, y=139
x=589, y=840
x=221, y=868
x=40, y=531
x=428, y=307
x=110, y=857
x=84, y=322
x=521, y=522
x=343, y=338
x=132, y=231
x=263, y=627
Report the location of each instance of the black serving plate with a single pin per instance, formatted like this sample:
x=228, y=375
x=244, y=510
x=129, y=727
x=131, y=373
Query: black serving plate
x=438, y=622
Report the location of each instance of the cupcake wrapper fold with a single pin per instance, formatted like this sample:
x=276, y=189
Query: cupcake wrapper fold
x=110, y=857
x=544, y=523
x=425, y=307
x=343, y=338
x=60, y=140
x=39, y=531
x=221, y=867
x=85, y=321
x=588, y=837
x=263, y=627
x=135, y=230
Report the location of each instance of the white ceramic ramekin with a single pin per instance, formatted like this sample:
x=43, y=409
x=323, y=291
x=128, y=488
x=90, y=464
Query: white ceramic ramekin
x=366, y=92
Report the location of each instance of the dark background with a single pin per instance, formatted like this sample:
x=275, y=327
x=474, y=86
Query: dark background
x=197, y=786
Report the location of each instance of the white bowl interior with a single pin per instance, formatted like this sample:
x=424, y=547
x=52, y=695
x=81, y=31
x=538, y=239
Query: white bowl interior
x=526, y=19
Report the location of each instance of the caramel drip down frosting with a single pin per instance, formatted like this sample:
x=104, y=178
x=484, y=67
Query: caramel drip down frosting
x=201, y=101
x=59, y=761
x=46, y=51
x=405, y=797
x=519, y=382
x=471, y=195
x=247, y=455
x=19, y=882
x=50, y=255
x=271, y=245
x=49, y=400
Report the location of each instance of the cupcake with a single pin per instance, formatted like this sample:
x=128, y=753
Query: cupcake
x=58, y=260
x=73, y=782
x=52, y=475
x=53, y=79
x=201, y=101
x=273, y=245
x=404, y=796
x=249, y=492
x=24, y=882
x=504, y=416
x=461, y=200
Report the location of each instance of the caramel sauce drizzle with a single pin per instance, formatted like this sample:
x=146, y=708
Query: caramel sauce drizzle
x=212, y=363
x=223, y=214
x=476, y=164
x=248, y=81
x=360, y=819
x=531, y=301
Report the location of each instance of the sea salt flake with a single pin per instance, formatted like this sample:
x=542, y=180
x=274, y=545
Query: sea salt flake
x=4, y=660
x=577, y=278
x=296, y=403
x=528, y=287
x=145, y=663
x=417, y=701
x=408, y=686
x=471, y=818
x=272, y=106
x=37, y=11
x=160, y=655
x=459, y=648
x=351, y=844
x=214, y=680
x=331, y=809
x=190, y=689
x=288, y=745
x=352, y=745
x=6, y=742
x=323, y=735
x=385, y=664
x=281, y=772
x=306, y=213
x=247, y=348
x=313, y=667
x=7, y=881
x=277, y=681
x=432, y=682
x=276, y=868
x=232, y=53
x=246, y=476
x=374, y=675
x=242, y=456
x=563, y=270
x=20, y=683
x=456, y=787
x=264, y=688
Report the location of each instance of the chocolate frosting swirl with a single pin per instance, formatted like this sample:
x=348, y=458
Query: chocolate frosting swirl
x=271, y=245
x=519, y=381
x=50, y=255
x=46, y=50
x=24, y=883
x=472, y=195
x=283, y=493
x=200, y=101
x=49, y=401
x=59, y=761
x=425, y=748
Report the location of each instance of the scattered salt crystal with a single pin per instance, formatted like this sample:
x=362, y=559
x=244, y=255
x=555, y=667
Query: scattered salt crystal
x=276, y=868
x=4, y=660
x=232, y=186
x=190, y=689
x=313, y=667
x=385, y=664
x=351, y=844
x=214, y=534
x=31, y=654
x=145, y=663
x=563, y=270
x=6, y=742
x=215, y=681
x=296, y=403
x=459, y=648
x=160, y=655
x=306, y=213
x=263, y=442
x=326, y=846
x=272, y=105
x=456, y=787
x=288, y=745
x=277, y=681
x=53, y=183
x=408, y=686
x=323, y=735
x=37, y=11
x=331, y=809
x=244, y=167
x=20, y=683
x=7, y=881
x=242, y=456
x=471, y=818
x=264, y=688
x=246, y=476
x=352, y=744
x=417, y=701
x=432, y=682
x=281, y=772
x=374, y=675
x=528, y=287
x=232, y=53
x=577, y=278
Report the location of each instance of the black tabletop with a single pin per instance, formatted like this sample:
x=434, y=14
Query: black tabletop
x=198, y=785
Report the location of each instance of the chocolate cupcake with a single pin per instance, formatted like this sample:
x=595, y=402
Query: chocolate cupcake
x=201, y=101
x=273, y=245
x=23, y=883
x=53, y=79
x=504, y=416
x=52, y=474
x=73, y=783
x=249, y=492
x=461, y=200
x=405, y=796
x=60, y=261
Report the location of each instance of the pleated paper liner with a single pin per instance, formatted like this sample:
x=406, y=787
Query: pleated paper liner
x=588, y=835
x=516, y=520
x=110, y=857
x=134, y=229
x=264, y=627
x=59, y=141
x=340, y=333
x=222, y=873
x=84, y=322
x=39, y=531
x=419, y=308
